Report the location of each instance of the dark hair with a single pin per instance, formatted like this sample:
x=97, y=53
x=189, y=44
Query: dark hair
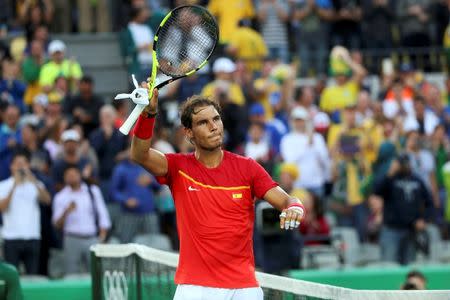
x=135, y=11
x=87, y=79
x=188, y=107
x=71, y=166
x=419, y=99
x=416, y=273
x=409, y=286
x=21, y=152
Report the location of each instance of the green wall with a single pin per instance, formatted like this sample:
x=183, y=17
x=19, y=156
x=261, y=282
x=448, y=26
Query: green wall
x=372, y=279
x=387, y=278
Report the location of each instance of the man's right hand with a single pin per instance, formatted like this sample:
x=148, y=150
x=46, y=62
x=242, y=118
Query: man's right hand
x=72, y=206
x=131, y=203
x=152, y=107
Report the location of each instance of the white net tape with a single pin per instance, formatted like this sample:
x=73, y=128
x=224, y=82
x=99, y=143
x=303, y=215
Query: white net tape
x=279, y=283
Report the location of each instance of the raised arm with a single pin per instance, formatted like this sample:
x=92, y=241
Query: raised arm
x=141, y=152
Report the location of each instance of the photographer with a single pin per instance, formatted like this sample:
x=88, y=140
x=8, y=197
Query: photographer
x=405, y=199
x=19, y=196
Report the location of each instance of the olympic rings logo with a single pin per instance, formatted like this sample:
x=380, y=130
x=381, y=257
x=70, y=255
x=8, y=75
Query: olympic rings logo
x=115, y=285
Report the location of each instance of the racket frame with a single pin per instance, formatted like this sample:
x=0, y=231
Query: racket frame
x=139, y=108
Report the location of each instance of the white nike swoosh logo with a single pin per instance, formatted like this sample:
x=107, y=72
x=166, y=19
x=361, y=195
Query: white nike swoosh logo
x=190, y=188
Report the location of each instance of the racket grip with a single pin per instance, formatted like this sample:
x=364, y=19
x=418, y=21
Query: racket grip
x=132, y=118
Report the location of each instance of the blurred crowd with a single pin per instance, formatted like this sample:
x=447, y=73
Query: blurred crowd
x=373, y=160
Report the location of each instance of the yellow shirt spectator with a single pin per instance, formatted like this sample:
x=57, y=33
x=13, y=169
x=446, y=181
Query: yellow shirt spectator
x=51, y=70
x=266, y=87
x=234, y=92
x=248, y=44
x=228, y=13
x=339, y=96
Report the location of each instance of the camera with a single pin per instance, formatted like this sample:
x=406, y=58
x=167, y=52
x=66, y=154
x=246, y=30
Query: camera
x=22, y=173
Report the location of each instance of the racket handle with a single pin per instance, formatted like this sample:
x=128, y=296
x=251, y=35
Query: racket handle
x=132, y=118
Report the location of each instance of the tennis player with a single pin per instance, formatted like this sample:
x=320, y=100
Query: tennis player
x=214, y=192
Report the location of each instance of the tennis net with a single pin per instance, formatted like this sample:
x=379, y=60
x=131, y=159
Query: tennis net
x=136, y=272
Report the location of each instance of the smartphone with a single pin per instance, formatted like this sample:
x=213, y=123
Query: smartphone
x=22, y=173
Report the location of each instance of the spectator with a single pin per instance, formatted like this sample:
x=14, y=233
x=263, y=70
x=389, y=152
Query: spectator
x=40, y=34
x=398, y=102
x=426, y=118
x=70, y=156
x=248, y=45
x=257, y=147
x=273, y=16
x=415, y=280
x=345, y=91
x=275, y=128
x=134, y=189
x=349, y=170
x=31, y=143
x=306, y=99
x=313, y=36
x=413, y=19
x=59, y=65
x=85, y=149
x=315, y=228
x=405, y=198
x=110, y=146
x=136, y=43
x=19, y=198
x=63, y=22
x=53, y=141
x=11, y=88
x=346, y=29
x=34, y=13
x=267, y=90
x=308, y=151
x=85, y=106
x=93, y=16
x=375, y=219
x=229, y=14
x=31, y=67
x=80, y=212
x=10, y=137
x=223, y=84
x=378, y=21
x=422, y=163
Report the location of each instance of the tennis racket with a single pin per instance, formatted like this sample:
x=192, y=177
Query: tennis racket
x=183, y=43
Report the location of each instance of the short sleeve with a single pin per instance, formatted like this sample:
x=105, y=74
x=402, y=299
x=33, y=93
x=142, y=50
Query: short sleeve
x=261, y=182
x=171, y=168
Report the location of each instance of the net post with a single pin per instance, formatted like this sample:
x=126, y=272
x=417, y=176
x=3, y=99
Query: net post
x=138, y=265
x=96, y=276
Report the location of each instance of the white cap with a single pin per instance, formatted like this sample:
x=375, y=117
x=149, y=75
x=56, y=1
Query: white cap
x=41, y=99
x=70, y=135
x=299, y=113
x=55, y=46
x=224, y=64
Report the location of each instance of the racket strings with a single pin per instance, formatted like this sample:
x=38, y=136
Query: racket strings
x=186, y=40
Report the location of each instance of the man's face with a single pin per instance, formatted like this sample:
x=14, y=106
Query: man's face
x=70, y=147
x=19, y=163
x=11, y=116
x=72, y=177
x=85, y=88
x=207, y=128
x=58, y=56
x=350, y=116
